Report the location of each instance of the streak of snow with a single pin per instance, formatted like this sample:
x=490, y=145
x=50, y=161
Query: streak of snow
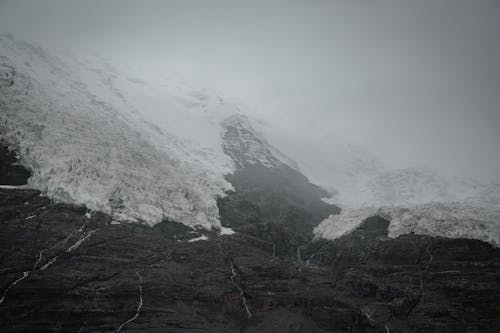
x=201, y=238
x=12, y=187
x=81, y=240
x=49, y=263
x=40, y=256
x=25, y=275
x=242, y=293
x=139, y=306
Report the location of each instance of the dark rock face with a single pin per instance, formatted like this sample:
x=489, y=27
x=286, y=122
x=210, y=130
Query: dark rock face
x=11, y=172
x=415, y=283
x=64, y=269
x=85, y=274
x=276, y=205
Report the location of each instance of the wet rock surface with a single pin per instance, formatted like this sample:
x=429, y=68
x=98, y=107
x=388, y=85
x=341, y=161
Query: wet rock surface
x=65, y=269
x=11, y=172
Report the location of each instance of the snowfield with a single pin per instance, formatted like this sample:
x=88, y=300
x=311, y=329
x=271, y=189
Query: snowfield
x=112, y=140
x=453, y=220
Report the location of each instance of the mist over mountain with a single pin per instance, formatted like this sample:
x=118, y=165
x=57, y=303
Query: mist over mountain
x=249, y=167
x=414, y=84
x=147, y=149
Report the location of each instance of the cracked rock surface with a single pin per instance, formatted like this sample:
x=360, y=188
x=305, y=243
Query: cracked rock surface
x=117, y=277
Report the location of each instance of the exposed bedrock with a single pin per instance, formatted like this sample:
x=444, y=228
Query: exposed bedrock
x=65, y=269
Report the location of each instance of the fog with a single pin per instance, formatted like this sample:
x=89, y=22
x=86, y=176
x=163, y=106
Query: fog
x=415, y=82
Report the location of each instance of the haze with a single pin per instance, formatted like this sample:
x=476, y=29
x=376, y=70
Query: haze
x=415, y=82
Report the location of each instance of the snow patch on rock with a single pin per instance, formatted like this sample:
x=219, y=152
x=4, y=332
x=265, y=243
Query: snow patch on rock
x=197, y=239
x=226, y=231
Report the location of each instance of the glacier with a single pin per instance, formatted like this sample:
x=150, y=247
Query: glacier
x=142, y=149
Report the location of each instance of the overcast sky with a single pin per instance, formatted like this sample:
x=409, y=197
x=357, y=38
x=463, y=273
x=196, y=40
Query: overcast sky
x=416, y=82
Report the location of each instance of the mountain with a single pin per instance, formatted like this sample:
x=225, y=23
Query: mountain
x=146, y=148
x=65, y=268
x=133, y=202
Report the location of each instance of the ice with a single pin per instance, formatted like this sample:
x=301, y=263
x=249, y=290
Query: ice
x=197, y=239
x=143, y=149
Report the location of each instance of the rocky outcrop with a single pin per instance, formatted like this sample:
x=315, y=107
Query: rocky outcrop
x=11, y=172
x=245, y=146
x=414, y=283
x=85, y=273
x=66, y=269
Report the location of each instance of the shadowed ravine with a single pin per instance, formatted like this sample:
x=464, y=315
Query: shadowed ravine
x=64, y=269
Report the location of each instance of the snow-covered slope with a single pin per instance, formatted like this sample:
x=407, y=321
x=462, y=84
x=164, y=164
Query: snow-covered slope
x=411, y=186
x=112, y=140
x=453, y=220
x=421, y=201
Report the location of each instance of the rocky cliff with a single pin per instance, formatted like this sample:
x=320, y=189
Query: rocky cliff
x=66, y=269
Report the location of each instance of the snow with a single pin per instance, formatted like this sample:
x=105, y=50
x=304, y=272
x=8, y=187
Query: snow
x=415, y=199
x=142, y=149
x=226, y=231
x=454, y=220
x=197, y=239
x=12, y=187
x=139, y=306
x=339, y=225
x=79, y=242
x=439, y=219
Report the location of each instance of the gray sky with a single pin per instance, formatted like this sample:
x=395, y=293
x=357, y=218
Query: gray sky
x=417, y=82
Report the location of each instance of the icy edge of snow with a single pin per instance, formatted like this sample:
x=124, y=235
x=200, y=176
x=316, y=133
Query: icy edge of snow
x=451, y=220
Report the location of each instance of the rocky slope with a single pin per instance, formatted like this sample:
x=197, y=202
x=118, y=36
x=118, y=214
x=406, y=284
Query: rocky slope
x=66, y=269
